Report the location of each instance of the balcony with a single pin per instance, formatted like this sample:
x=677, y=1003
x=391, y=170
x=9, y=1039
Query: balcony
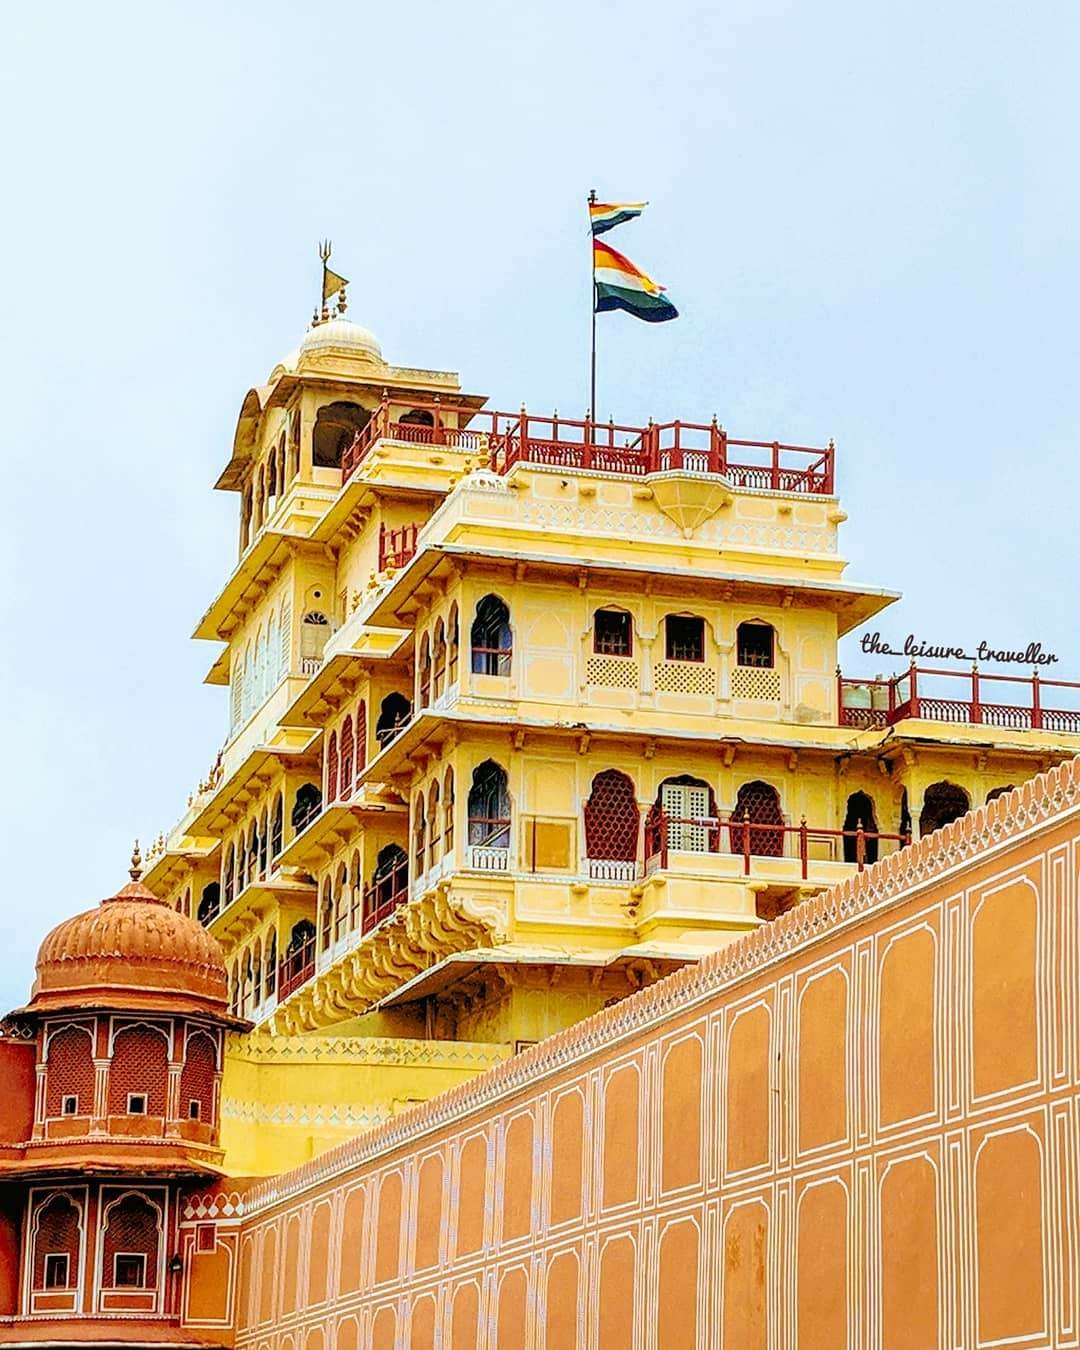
x=385, y=896
x=1006, y=702
x=296, y=968
x=753, y=842
x=397, y=546
x=507, y=439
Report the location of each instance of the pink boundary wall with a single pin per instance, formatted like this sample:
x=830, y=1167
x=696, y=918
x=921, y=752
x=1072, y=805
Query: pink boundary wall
x=856, y=1126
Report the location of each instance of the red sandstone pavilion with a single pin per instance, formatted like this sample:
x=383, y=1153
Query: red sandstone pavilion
x=855, y=1126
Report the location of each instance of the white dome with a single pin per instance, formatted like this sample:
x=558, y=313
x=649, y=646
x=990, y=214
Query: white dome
x=340, y=335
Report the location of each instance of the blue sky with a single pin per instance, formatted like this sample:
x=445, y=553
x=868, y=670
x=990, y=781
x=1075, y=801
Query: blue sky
x=866, y=213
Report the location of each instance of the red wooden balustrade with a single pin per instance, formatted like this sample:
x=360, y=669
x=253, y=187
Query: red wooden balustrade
x=749, y=839
x=296, y=968
x=384, y=896
x=609, y=447
x=397, y=546
x=1026, y=702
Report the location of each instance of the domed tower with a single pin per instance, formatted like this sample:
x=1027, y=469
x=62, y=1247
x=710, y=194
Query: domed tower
x=125, y=1026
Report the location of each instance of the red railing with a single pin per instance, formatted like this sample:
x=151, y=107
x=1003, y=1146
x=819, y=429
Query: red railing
x=385, y=895
x=608, y=447
x=296, y=968
x=919, y=693
x=749, y=839
x=396, y=546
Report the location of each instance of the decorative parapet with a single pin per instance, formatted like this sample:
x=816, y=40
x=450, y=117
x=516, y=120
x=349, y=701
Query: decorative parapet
x=1043, y=801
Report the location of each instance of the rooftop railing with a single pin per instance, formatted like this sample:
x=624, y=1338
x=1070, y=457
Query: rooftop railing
x=750, y=840
x=1008, y=702
x=396, y=546
x=608, y=447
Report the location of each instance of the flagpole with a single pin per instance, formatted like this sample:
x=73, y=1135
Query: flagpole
x=592, y=365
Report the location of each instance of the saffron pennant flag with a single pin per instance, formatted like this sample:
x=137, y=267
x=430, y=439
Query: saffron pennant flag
x=621, y=285
x=605, y=216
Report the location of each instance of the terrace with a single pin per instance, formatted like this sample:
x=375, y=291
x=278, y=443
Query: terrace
x=506, y=439
x=1007, y=702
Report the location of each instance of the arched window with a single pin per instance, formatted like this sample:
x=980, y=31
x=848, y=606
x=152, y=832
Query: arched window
x=69, y=1073
x=434, y=833
x=260, y=495
x=256, y=975
x=361, y=737
x=419, y=835
x=757, y=806
x=303, y=933
x=341, y=902
x=332, y=768
x=755, y=645
x=356, y=892
x=210, y=903
x=277, y=826
x=860, y=816
x=613, y=633
x=492, y=639
x=247, y=984
x=942, y=804
x=139, y=1072
x=294, y=445
x=336, y=427
x=347, y=773
x=489, y=809
x=131, y=1244
x=905, y=817
x=683, y=817
x=253, y=852
x=306, y=807
x=271, y=484
x=264, y=842
x=389, y=885
x=417, y=417
x=57, y=1243
x=270, y=965
x=453, y=644
x=611, y=823
x=997, y=792
x=448, y=812
x=197, y=1077
x=326, y=916
x=438, y=660
x=684, y=637
x=394, y=714
x=314, y=633
x=245, y=519
x=424, y=671
x=228, y=876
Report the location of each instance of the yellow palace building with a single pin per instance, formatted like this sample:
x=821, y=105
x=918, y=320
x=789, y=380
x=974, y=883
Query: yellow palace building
x=523, y=714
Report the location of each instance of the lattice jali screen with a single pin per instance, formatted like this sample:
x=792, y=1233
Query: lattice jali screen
x=69, y=1071
x=57, y=1231
x=611, y=818
x=140, y=1063
x=755, y=682
x=612, y=672
x=197, y=1078
x=684, y=677
x=133, y=1229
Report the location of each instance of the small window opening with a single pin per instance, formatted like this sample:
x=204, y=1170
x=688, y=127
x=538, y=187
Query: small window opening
x=754, y=645
x=56, y=1270
x=194, y=1109
x=613, y=633
x=136, y=1103
x=684, y=637
x=129, y=1270
x=69, y=1105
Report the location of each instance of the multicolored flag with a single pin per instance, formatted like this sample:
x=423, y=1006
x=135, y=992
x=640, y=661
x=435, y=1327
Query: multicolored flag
x=621, y=285
x=605, y=216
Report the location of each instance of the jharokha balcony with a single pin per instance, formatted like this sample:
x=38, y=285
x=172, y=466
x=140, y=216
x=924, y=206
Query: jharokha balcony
x=1007, y=702
x=506, y=439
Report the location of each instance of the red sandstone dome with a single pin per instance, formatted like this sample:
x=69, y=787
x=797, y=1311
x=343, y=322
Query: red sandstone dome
x=133, y=950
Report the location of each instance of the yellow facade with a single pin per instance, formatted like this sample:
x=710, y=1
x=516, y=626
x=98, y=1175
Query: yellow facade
x=524, y=829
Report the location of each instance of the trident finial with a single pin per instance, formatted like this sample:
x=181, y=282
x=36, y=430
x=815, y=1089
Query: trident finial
x=136, y=863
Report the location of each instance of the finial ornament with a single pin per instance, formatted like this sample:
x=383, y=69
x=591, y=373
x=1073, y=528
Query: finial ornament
x=332, y=284
x=136, y=863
